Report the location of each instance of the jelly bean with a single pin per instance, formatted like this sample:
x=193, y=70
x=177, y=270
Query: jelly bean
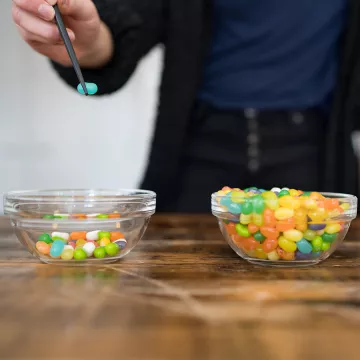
x=237, y=239
x=285, y=255
x=320, y=232
x=245, y=219
x=103, y=234
x=309, y=203
x=121, y=243
x=91, y=88
x=235, y=208
x=293, y=235
x=80, y=242
x=287, y=245
x=294, y=192
x=79, y=216
x=68, y=247
x=285, y=225
x=43, y=247
x=258, y=204
x=99, y=253
x=276, y=189
x=316, y=244
x=325, y=246
x=273, y=256
x=226, y=200
x=283, y=213
x=112, y=249
x=285, y=188
x=300, y=215
x=258, y=219
x=226, y=188
x=331, y=204
x=271, y=200
x=114, y=216
x=300, y=256
x=304, y=246
x=102, y=216
x=332, y=228
x=283, y=193
x=89, y=248
x=317, y=215
x=92, y=235
x=250, y=244
x=316, y=254
x=309, y=235
x=104, y=241
x=269, y=232
x=345, y=206
x=60, y=235
x=72, y=244
x=45, y=238
x=238, y=197
x=289, y=202
x=301, y=227
x=78, y=235
x=328, y=237
x=80, y=254
x=333, y=213
x=269, y=245
x=258, y=236
x=306, y=193
x=49, y=217
x=316, y=227
x=57, y=248
x=260, y=253
x=230, y=228
x=67, y=254
x=247, y=207
x=253, y=228
x=269, y=217
x=242, y=230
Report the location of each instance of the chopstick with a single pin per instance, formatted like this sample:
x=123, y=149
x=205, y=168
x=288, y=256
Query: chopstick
x=64, y=35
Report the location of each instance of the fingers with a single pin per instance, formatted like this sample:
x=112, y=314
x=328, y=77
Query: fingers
x=33, y=28
x=42, y=8
x=77, y=9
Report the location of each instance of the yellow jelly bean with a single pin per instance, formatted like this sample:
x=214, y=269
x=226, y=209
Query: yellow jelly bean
x=238, y=197
x=345, y=206
x=269, y=195
x=258, y=219
x=283, y=213
x=80, y=242
x=287, y=245
x=289, y=202
x=273, y=256
x=294, y=192
x=301, y=227
x=104, y=241
x=333, y=214
x=260, y=253
x=300, y=216
x=332, y=228
x=245, y=219
x=317, y=215
x=309, y=203
x=293, y=235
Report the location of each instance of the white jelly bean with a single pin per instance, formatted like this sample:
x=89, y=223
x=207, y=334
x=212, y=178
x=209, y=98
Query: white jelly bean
x=93, y=235
x=89, y=248
x=61, y=235
x=285, y=189
x=275, y=189
x=92, y=215
x=68, y=247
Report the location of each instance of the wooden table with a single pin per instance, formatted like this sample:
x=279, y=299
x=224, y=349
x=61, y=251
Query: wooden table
x=181, y=294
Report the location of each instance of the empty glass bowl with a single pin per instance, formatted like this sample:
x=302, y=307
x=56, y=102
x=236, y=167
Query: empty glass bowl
x=265, y=229
x=79, y=227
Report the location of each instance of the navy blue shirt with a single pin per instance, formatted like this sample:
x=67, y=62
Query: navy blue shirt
x=273, y=54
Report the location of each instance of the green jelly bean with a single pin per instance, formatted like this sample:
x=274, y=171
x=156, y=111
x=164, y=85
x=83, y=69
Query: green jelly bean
x=59, y=238
x=309, y=235
x=328, y=237
x=91, y=88
x=48, y=217
x=283, y=193
x=247, y=207
x=60, y=217
x=45, y=238
x=242, y=230
x=258, y=204
x=104, y=234
x=80, y=254
x=317, y=244
x=258, y=236
x=306, y=193
x=112, y=249
x=102, y=216
x=100, y=252
x=325, y=246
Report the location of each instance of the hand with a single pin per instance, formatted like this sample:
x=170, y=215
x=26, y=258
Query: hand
x=91, y=38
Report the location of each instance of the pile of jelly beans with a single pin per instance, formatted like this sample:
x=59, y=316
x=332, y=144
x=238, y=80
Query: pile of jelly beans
x=81, y=245
x=281, y=224
x=81, y=216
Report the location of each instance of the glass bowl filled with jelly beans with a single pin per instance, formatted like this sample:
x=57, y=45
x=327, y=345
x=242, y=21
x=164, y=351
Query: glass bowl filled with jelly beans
x=80, y=227
x=283, y=227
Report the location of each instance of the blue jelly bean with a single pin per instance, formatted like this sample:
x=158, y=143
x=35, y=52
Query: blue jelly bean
x=91, y=88
x=57, y=248
x=235, y=208
x=317, y=227
x=226, y=200
x=304, y=246
x=300, y=256
x=316, y=254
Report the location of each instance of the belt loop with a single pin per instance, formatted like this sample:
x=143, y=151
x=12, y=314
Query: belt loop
x=297, y=118
x=253, y=139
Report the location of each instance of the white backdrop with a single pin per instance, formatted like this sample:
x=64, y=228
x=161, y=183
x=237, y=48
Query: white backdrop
x=52, y=137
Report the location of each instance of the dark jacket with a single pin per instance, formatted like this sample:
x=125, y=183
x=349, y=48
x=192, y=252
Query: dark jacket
x=184, y=29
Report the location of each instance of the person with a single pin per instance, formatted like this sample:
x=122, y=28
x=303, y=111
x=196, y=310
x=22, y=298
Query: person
x=254, y=93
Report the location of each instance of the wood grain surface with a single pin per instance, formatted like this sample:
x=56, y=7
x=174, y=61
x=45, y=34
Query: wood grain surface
x=181, y=294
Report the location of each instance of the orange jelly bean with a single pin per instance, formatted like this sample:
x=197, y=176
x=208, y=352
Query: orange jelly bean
x=250, y=243
x=116, y=235
x=285, y=255
x=230, y=228
x=43, y=248
x=113, y=216
x=331, y=204
x=269, y=232
x=253, y=228
x=269, y=245
x=284, y=225
x=79, y=216
x=238, y=240
x=76, y=235
x=269, y=217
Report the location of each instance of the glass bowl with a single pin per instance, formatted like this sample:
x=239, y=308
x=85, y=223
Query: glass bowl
x=79, y=227
x=261, y=238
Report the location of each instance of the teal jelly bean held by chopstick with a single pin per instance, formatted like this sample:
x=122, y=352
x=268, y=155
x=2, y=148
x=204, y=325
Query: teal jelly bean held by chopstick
x=91, y=88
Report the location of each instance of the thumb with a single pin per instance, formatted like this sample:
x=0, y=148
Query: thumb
x=78, y=9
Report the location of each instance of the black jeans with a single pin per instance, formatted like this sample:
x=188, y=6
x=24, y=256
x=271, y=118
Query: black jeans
x=248, y=148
